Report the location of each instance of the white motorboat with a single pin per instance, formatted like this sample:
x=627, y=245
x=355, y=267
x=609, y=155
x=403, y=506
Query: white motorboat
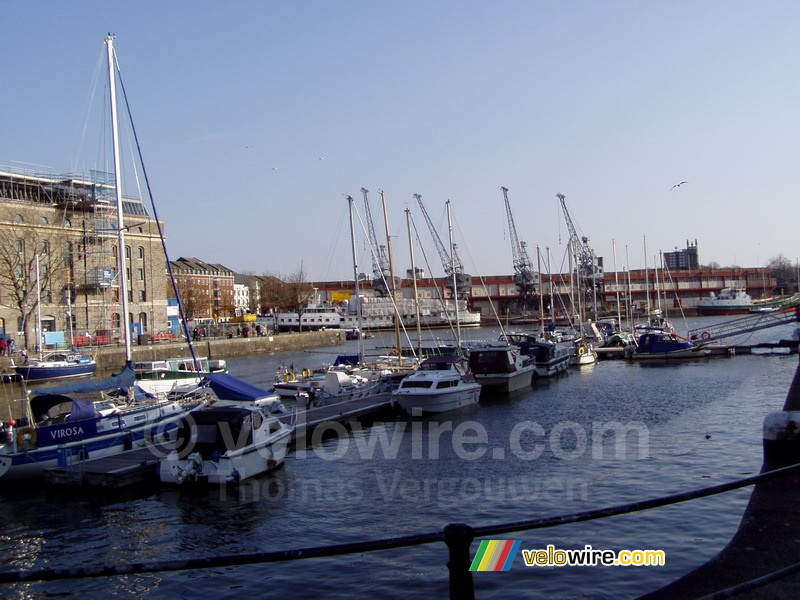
x=582, y=353
x=240, y=437
x=501, y=367
x=440, y=384
x=160, y=377
x=549, y=358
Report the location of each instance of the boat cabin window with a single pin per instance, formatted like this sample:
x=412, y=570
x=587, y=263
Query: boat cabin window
x=258, y=420
x=415, y=384
x=446, y=384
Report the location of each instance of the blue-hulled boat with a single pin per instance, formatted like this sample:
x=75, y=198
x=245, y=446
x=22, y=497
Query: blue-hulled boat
x=661, y=346
x=57, y=366
x=67, y=424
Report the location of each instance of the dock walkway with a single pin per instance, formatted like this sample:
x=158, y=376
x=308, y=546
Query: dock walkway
x=120, y=470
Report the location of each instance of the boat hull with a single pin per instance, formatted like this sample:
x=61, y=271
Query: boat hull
x=48, y=372
x=230, y=467
x=506, y=382
x=437, y=402
x=112, y=435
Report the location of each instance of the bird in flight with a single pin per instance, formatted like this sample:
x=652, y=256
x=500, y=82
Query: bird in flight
x=274, y=168
x=677, y=185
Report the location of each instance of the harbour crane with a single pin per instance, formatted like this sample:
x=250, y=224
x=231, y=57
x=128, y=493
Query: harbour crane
x=452, y=266
x=381, y=273
x=588, y=267
x=525, y=278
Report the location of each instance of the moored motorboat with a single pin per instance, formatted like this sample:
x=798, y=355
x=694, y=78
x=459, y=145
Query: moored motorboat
x=549, y=358
x=160, y=377
x=441, y=383
x=240, y=437
x=664, y=346
x=501, y=367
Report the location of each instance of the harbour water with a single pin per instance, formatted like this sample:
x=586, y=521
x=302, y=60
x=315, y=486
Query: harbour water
x=603, y=435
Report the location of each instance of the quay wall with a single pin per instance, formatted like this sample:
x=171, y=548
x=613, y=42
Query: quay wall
x=110, y=358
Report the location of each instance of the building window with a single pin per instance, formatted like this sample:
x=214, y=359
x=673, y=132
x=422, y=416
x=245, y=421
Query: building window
x=17, y=219
x=43, y=221
x=141, y=253
x=143, y=321
x=116, y=321
x=19, y=246
x=67, y=223
x=140, y=274
x=128, y=252
x=142, y=296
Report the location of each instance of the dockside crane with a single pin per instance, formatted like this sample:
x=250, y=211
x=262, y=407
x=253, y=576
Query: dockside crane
x=381, y=273
x=525, y=278
x=452, y=266
x=588, y=267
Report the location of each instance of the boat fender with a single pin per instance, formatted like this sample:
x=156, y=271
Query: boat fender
x=705, y=335
x=306, y=373
x=289, y=377
x=581, y=351
x=26, y=436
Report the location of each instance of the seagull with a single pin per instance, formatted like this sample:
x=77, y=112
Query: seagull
x=274, y=168
x=677, y=185
x=322, y=158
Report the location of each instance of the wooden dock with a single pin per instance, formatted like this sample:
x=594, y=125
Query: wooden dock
x=120, y=470
x=341, y=412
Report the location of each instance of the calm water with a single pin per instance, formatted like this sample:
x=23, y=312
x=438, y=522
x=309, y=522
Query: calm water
x=545, y=453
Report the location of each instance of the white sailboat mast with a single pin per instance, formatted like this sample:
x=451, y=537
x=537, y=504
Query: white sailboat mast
x=355, y=277
x=38, y=310
x=453, y=271
x=123, y=279
x=414, y=280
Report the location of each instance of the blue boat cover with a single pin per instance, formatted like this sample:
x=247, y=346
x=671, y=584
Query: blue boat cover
x=125, y=379
x=228, y=387
x=346, y=359
x=82, y=409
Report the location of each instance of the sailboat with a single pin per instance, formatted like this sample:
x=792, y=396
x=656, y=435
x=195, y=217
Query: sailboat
x=56, y=365
x=442, y=383
x=68, y=424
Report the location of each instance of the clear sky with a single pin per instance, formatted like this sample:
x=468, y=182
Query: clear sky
x=257, y=117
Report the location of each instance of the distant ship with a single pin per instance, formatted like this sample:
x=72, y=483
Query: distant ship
x=378, y=313
x=735, y=301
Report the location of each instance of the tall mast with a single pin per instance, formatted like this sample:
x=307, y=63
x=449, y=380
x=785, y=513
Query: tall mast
x=616, y=283
x=393, y=285
x=414, y=280
x=123, y=279
x=38, y=309
x=453, y=270
x=355, y=277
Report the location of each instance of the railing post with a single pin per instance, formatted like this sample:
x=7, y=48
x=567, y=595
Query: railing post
x=458, y=537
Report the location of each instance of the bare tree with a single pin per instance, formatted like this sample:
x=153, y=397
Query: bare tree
x=783, y=271
x=18, y=275
x=290, y=293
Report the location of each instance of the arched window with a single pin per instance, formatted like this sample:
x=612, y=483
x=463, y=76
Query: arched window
x=67, y=223
x=17, y=219
x=114, y=252
x=19, y=246
x=128, y=252
x=143, y=321
x=43, y=248
x=43, y=221
x=141, y=253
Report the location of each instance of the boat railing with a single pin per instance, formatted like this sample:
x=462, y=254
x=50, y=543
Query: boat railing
x=458, y=538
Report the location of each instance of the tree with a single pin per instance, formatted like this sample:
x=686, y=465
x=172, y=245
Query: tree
x=18, y=276
x=195, y=303
x=291, y=293
x=783, y=271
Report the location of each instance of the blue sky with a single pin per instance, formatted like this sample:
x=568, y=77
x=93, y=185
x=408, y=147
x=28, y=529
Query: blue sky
x=256, y=118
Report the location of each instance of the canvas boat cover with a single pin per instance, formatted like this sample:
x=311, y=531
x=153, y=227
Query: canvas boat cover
x=228, y=387
x=123, y=380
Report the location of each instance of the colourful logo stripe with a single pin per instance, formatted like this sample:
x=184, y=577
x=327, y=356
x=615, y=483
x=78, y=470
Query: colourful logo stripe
x=479, y=556
x=503, y=555
x=487, y=556
x=495, y=555
x=512, y=553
